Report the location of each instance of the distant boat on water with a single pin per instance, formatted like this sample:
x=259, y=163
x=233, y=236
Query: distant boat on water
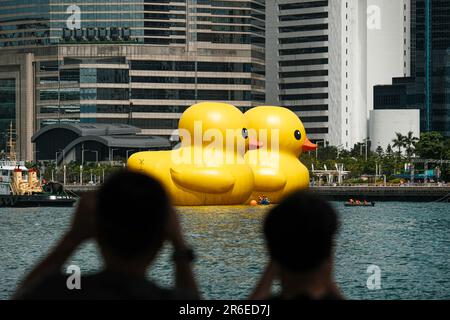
x=359, y=204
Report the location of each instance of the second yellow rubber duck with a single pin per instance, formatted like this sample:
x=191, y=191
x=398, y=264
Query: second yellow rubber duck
x=277, y=139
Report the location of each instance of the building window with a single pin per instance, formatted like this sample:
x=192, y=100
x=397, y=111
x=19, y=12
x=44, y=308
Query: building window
x=48, y=66
x=304, y=85
x=315, y=119
x=318, y=107
x=299, y=74
x=310, y=96
x=303, y=39
x=88, y=94
x=285, y=52
x=311, y=27
x=88, y=75
x=303, y=5
x=112, y=94
x=112, y=75
x=306, y=62
x=316, y=130
x=186, y=94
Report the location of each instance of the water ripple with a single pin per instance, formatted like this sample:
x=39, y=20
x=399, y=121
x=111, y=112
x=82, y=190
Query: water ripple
x=410, y=242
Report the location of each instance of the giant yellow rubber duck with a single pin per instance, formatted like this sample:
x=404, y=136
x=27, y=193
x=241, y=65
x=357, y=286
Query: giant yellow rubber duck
x=280, y=139
x=208, y=167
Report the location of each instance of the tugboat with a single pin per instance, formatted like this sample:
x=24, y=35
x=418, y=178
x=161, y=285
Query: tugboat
x=20, y=186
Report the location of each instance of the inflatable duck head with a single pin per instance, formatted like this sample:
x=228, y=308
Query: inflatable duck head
x=270, y=125
x=205, y=122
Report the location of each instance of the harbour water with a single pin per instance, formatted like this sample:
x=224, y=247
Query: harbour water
x=409, y=242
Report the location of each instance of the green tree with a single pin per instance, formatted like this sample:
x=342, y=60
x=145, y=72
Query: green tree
x=358, y=150
x=379, y=152
x=328, y=152
x=431, y=146
x=389, y=151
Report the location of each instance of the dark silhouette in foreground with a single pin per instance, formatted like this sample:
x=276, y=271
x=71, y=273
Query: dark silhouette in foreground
x=300, y=233
x=130, y=218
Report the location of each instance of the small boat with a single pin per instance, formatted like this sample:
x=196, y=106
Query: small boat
x=264, y=201
x=361, y=204
x=20, y=187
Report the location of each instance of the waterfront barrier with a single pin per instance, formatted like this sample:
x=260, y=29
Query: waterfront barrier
x=343, y=193
x=382, y=193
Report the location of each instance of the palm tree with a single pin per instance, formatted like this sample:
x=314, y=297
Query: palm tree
x=399, y=142
x=409, y=141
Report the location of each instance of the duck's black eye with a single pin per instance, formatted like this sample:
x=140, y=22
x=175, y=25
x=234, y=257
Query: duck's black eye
x=245, y=133
x=297, y=134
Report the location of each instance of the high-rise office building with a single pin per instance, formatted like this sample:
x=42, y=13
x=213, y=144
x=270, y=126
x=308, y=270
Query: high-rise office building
x=329, y=56
x=138, y=62
x=388, y=42
x=319, y=62
x=428, y=87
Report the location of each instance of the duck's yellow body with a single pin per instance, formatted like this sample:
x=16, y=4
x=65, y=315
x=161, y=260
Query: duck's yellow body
x=275, y=164
x=211, y=165
x=203, y=170
x=193, y=185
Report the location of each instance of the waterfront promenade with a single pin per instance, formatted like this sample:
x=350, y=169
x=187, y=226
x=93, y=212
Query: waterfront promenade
x=415, y=193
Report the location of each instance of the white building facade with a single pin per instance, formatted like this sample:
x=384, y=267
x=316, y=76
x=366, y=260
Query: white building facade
x=329, y=56
x=385, y=123
x=388, y=43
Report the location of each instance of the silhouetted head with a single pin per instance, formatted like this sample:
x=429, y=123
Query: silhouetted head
x=133, y=211
x=300, y=232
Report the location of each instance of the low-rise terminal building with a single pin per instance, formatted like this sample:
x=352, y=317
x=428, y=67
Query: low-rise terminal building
x=89, y=142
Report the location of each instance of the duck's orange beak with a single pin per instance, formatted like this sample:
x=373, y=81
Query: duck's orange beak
x=254, y=144
x=308, y=146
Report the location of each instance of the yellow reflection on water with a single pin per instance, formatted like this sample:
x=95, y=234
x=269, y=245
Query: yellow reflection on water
x=229, y=244
x=240, y=209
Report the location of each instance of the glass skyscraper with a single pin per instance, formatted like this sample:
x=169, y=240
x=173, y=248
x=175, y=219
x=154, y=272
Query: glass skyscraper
x=139, y=62
x=428, y=87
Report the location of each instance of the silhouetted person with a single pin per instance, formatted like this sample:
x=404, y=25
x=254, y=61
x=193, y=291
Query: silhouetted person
x=131, y=218
x=299, y=234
